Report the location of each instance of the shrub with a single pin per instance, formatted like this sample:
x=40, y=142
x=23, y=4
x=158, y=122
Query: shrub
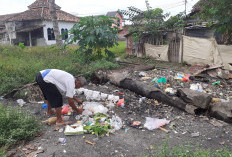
x=21, y=45
x=94, y=34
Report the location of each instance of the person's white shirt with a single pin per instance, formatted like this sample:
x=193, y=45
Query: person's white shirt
x=64, y=81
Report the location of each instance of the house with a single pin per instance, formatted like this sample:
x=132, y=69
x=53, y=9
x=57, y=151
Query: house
x=119, y=21
x=197, y=28
x=34, y=26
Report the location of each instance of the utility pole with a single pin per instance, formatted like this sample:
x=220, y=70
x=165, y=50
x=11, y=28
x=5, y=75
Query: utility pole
x=185, y=10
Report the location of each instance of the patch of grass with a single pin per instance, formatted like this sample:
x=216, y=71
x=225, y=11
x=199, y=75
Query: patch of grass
x=120, y=49
x=16, y=125
x=188, y=150
x=19, y=66
x=3, y=151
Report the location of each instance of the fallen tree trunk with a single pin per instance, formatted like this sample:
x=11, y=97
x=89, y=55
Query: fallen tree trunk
x=121, y=79
x=222, y=111
x=195, y=98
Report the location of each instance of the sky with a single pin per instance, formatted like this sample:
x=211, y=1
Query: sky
x=99, y=7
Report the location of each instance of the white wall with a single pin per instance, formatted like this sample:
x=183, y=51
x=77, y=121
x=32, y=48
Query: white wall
x=61, y=24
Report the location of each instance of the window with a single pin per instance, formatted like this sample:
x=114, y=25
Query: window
x=118, y=23
x=64, y=37
x=51, y=35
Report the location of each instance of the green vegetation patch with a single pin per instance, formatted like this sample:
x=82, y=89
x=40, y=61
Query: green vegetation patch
x=16, y=125
x=188, y=150
x=19, y=66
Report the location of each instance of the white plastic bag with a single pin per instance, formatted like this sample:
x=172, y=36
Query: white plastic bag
x=116, y=122
x=80, y=91
x=93, y=108
x=21, y=102
x=113, y=99
x=154, y=123
x=196, y=87
x=96, y=95
x=104, y=96
x=88, y=94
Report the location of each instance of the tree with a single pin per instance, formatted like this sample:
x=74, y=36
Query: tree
x=176, y=22
x=218, y=13
x=149, y=23
x=52, y=9
x=94, y=34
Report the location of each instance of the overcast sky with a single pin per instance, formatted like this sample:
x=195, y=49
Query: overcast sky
x=97, y=7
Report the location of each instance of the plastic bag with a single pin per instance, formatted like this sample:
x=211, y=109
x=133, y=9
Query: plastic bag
x=113, y=99
x=162, y=80
x=96, y=95
x=116, y=122
x=142, y=74
x=104, y=96
x=170, y=91
x=154, y=123
x=120, y=102
x=66, y=109
x=196, y=87
x=21, y=102
x=88, y=94
x=93, y=108
x=80, y=91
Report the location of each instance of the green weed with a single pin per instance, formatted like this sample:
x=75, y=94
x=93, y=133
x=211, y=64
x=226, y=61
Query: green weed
x=16, y=125
x=19, y=66
x=188, y=150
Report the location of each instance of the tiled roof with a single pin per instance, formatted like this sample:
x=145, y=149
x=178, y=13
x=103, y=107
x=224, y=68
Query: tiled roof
x=112, y=13
x=3, y=18
x=41, y=4
x=43, y=14
x=39, y=10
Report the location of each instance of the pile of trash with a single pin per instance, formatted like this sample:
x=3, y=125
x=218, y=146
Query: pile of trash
x=97, y=96
x=212, y=80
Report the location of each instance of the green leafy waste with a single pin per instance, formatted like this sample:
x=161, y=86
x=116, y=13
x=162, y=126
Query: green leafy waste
x=101, y=125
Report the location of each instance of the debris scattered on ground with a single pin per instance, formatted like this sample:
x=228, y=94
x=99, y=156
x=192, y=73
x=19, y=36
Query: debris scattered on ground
x=44, y=106
x=62, y=140
x=21, y=102
x=195, y=134
x=89, y=142
x=91, y=108
x=154, y=123
x=50, y=121
x=33, y=154
x=69, y=130
x=100, y=125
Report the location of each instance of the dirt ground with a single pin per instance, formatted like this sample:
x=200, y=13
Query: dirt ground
x=130, y=141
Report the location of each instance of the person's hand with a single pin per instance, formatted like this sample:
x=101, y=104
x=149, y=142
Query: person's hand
x=80, y=110
x=79, y=101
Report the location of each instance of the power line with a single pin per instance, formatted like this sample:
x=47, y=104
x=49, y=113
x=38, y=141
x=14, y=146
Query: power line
x=161, y=6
